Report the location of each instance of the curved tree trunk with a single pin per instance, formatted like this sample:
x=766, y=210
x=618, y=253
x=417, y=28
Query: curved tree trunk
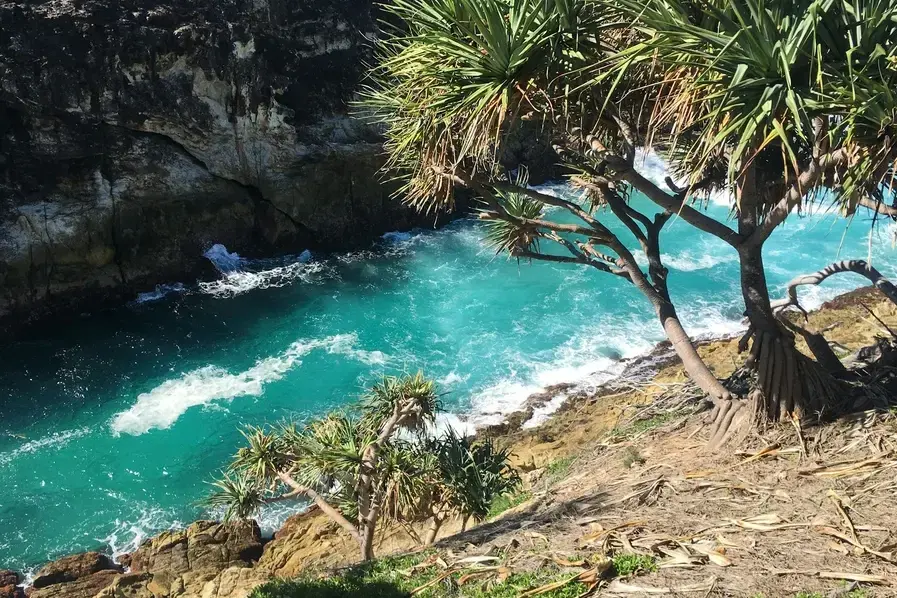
x=659, y=297
x=861, y=267
x=433, y=530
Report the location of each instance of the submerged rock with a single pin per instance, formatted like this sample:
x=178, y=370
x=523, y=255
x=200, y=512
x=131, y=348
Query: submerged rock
x=155, y=128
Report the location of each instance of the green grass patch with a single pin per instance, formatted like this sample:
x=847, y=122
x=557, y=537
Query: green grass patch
x=642, y=425
x=631, y=457
x=630, y=564
x=396, y=577
x=857, y=593
x=558, y=469
x=507, y=501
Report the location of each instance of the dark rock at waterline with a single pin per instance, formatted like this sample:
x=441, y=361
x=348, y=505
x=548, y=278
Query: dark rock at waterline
x=205, y=545
x=72, y=568
x=125, y=560
x=9, y=588
x=134, y=134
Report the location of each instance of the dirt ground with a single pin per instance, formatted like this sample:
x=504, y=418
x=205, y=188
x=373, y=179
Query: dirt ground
x=788, y=514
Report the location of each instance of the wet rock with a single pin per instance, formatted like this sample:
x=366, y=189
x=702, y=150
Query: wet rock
x=9, y=581
x=125, y=560
x=205, y=545
x=72, y=568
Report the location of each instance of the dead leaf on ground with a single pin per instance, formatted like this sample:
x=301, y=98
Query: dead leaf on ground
x=619, y=587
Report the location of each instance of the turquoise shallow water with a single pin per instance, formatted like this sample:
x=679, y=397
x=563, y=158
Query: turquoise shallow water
x=112, y=425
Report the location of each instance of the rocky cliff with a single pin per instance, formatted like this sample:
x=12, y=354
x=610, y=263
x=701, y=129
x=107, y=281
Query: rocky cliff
x=135, y=133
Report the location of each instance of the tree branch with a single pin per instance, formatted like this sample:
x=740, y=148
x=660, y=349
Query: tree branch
x=795, y=194
x=569, y=259
x=322, y=504
x=878, y=206
x=552, y=201
x=679, y=206
x=860, y=267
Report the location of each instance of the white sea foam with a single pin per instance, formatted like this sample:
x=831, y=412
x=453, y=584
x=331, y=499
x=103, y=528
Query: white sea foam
x=128, y=534
x=238, y=282
x=654, y=168
x=55, y=440
x=396, y=237
x=579, y=362
x=651, y=166
x=163, y=405
x=452, y=378
x=688, y=262
x=160, y=292
x=224, y=260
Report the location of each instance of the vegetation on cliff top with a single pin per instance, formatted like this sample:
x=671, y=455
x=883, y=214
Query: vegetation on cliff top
x=775, y=104
x=376, y=461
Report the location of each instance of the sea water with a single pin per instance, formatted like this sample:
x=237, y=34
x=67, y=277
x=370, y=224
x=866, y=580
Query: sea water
x=113, y=425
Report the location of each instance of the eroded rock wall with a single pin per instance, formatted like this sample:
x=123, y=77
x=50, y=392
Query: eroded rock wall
x=136, y=133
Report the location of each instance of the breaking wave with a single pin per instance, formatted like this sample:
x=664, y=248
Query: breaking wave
x=162, y=406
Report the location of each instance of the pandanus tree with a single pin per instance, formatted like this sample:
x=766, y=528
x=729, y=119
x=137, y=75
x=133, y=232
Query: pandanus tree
x=352, y=464
x=780, y=103
x=455, y=78
x=378, y=462
x=463, y=478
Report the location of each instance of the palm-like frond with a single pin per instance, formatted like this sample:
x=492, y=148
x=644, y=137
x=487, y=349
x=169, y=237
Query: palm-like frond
x=412, y=392
x=262, y=457
x=472, y=474
x=457, y=72
x=327, y=452
x=239, y=494
x=745, y=80
x=517, y=235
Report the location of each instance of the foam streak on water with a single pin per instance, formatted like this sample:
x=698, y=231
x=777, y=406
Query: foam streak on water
x=55, y=441
x=238, y=282
x=163, y=405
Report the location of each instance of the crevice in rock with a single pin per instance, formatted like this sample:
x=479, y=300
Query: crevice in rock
x=253, y=191
x=113, y=221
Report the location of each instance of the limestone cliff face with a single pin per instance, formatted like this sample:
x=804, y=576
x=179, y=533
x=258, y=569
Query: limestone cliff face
x=135, y=133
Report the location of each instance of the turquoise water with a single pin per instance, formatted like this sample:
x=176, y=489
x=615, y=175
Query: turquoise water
x=111, y=426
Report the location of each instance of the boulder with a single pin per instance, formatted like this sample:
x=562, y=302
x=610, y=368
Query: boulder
x=9, y=588
x=205, y=545
x=307, y=538
x=83, y=587
x=234, y=582
x=72, y=568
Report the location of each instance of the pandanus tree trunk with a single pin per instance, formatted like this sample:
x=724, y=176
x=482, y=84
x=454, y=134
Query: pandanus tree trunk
x=433, y=530
x=786, y=383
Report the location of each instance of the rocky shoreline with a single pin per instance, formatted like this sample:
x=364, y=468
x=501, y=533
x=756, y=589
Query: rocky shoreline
x=209, y=559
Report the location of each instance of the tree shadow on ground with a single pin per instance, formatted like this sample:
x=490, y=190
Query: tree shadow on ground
x=538, y=513
x=348, y=585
